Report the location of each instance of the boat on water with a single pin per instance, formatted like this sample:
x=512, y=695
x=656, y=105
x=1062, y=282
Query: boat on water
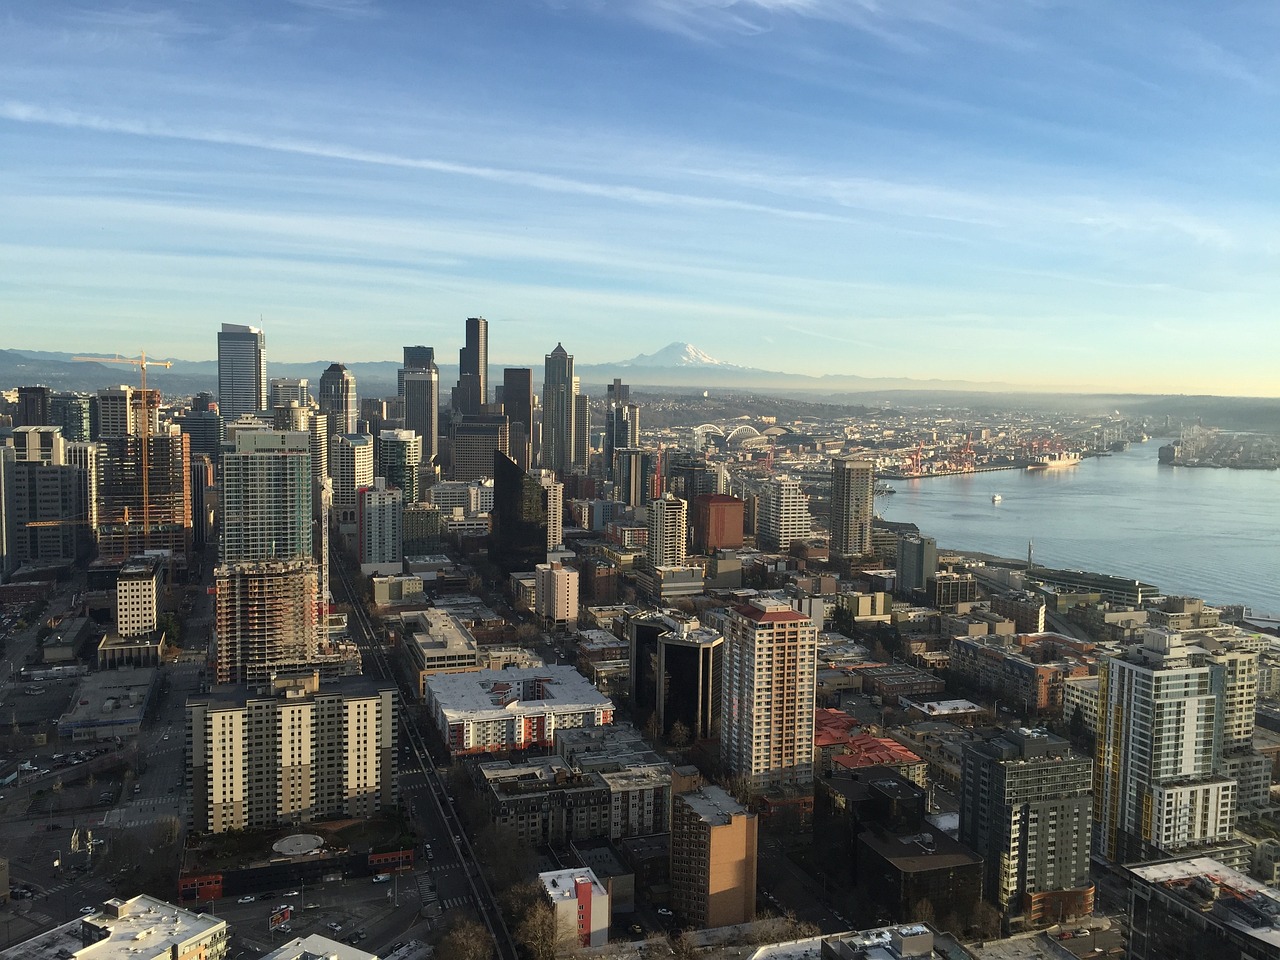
x=1052, y=461
x=996, y=498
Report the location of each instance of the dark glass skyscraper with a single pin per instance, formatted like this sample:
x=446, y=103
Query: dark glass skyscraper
x=472, y=392
x=558, y=411
x=521, y=513
x=517, y=404
x=242, y=370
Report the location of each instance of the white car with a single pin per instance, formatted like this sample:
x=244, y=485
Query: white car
x=246, y=899
x=88, y=910
x=663, y=911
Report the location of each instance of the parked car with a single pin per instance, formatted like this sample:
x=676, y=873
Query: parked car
x=247, y=899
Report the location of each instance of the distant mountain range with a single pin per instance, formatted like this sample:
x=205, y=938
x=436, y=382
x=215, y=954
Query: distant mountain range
x=684, y=368
x=675, y=365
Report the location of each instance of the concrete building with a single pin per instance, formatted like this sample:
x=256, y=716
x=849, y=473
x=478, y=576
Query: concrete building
x=316, y=947
x=1026, y=806
x=136, y=597
x=580, y=904
x=350, y=468
x=556, y=597
x=433, y=642
x=421, y=391
x=1025, y=609
x=542, y=801
x=266, y=504
x=140, y=928
x=783, y=515
x=283, y=391
x=1168, y=708
x=853, y=484
x=769, y=684
x=380, y=521
x=668, y=531
x=70, y=411
x=167, y=516
x=492, y=711
x=266, y=618
x=717, y=523
x=713, y=859
x=242, y=371
x=917, y=561
x=1199, y=907
x=109, y=705
x=292, y=751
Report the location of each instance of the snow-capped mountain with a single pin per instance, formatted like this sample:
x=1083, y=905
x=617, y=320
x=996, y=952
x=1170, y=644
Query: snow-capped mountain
x=676, y=355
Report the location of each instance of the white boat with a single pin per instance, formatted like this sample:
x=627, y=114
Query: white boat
x=996, y=498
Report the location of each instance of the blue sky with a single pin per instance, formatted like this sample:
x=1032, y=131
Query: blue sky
x=1030, y=192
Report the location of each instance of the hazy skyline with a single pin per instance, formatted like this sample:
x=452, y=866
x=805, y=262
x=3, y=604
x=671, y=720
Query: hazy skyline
x=1026, y=192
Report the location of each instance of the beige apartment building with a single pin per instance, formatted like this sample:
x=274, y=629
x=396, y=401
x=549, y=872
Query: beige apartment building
x=713, y=859
x=293, y=751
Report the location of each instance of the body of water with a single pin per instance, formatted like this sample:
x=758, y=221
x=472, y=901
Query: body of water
x=1200, y=532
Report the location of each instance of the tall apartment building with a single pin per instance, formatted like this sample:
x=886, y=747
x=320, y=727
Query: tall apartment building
x=714, y=842
x=668, y=523
x=399, y=453
x=8, y=532
x=558, y=407
x=517, y=404
x=137, y=596
x=1166, y=709
x=350, y=468
x=635, y=475
x=46, y=498
x=338, y=398
x=122, y=518
x=556, y=599
x=266, y=497
x=769, y=684
x=290, y=752
x=476, y=438
x=1026, y=806
x=581, y=429
x=853, y=485
x=380, y=510
x=783, y=514
x=242, y=371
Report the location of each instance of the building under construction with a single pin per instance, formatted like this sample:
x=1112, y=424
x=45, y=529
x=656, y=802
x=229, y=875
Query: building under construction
x=267, y=620
x=124, y=526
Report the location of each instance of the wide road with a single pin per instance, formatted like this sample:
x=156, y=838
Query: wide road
x=454, y=869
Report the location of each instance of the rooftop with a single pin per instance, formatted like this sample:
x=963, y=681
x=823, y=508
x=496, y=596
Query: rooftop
x=713, y=805
x=142, y=928
x=1236, y=901
x=316, y=947
x=552, y=688
x=563, y=884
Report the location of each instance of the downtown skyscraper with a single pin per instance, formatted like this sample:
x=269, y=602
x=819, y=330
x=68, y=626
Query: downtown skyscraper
x=242, y=371
x=338, y=398
x=419, y=381
x=472, y=392
x=559, y=391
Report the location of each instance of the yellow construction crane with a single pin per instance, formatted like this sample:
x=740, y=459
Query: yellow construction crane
x=144, y=431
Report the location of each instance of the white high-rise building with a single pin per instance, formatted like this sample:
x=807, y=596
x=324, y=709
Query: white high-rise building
x=768, y=687
x=266, y=497
x=350, y=468
x=1166, y=709
x=782, y=514
x=380, y=510
x=668, y=522
x=242, y=371
x=286, y=390
x=556, y=596
x=853, y=484
x=555, y=506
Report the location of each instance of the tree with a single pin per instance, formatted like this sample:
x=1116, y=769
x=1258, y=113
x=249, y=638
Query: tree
x=539, y=933
x=679, y=735
x=986, y=920
x=923, y=911
x=653, y=727
x=682, y=946
x=466, y=940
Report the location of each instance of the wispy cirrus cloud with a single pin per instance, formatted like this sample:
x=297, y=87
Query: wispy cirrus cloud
x=347, y=9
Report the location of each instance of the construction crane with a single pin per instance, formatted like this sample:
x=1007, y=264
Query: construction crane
x=144, y=431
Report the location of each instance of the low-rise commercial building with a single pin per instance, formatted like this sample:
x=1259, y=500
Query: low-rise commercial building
x=492, y=711
x=434, y=642
x=581, y=906
x=141, y=928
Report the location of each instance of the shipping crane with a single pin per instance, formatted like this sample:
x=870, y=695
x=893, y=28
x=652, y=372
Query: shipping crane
x=144, y=431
